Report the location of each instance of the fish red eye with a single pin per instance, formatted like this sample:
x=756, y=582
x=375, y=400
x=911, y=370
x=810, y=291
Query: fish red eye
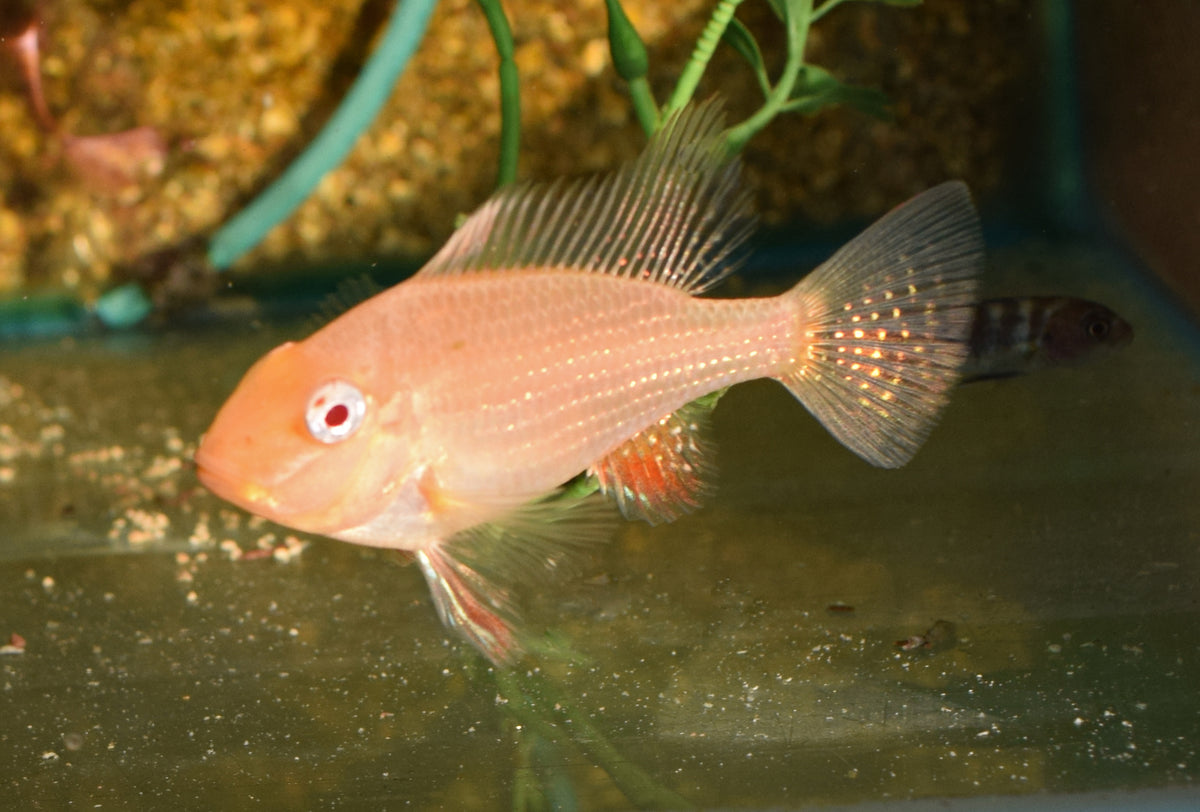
x=335, y=411
x=337, y=415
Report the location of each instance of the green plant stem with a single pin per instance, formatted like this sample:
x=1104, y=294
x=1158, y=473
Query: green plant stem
x=799, y=18
x=825, y=8
x=644, y=105
x=510, y=93
x=689, y=79
x=632, y=63
x=549, y=715
x=358, y=109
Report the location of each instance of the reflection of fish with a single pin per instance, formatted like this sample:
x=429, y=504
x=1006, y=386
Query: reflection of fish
x=1016, y=335
x=556, y=332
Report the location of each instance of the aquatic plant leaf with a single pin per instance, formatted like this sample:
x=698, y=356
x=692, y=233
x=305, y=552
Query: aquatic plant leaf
x=739, y=38
x=818, y=88
x=629, y=56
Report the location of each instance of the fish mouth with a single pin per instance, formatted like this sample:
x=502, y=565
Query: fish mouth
x=229, y=486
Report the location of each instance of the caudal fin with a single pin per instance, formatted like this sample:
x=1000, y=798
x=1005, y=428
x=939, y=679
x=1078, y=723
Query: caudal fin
x=886, y=324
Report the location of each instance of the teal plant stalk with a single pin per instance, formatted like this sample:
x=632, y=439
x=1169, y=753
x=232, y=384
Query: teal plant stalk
x=123, y=306
x=366, y=97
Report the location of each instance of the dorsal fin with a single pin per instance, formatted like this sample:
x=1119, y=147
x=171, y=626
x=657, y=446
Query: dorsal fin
x=351, y=291
x=676, y=216
x=663, y=471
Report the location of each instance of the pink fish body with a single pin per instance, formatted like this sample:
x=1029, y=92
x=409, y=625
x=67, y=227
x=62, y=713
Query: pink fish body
x=558, y=332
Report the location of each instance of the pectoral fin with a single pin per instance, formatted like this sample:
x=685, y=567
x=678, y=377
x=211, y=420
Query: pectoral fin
x=470, y=574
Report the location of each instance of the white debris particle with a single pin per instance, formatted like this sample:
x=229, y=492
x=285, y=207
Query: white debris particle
x=15, y=645
x=52, y=433
x=290, y=549
x=162, y=467
x=201, y=534
x=146, y=526
x=173, y=442
x=10, y=391
x=118, y=527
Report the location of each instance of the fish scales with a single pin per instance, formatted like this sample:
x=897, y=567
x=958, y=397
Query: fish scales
x=510, y=408
x=558, y=332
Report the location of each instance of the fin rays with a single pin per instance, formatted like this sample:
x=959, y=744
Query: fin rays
x=677, y=216
x=663, y=471
x=470, y=574
x=887, y=321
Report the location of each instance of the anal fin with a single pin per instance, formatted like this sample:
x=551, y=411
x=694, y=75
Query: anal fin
x=663, y=471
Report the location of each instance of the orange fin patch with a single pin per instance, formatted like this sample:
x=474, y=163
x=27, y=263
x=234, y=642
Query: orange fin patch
x=664, y=471
x=467, y=603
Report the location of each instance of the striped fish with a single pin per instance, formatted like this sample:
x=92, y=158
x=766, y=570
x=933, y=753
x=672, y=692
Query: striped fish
x=1016, y=335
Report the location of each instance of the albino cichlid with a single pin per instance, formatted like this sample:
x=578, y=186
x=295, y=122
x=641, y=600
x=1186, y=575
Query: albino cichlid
x=558, y=332
x=1019, y=334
